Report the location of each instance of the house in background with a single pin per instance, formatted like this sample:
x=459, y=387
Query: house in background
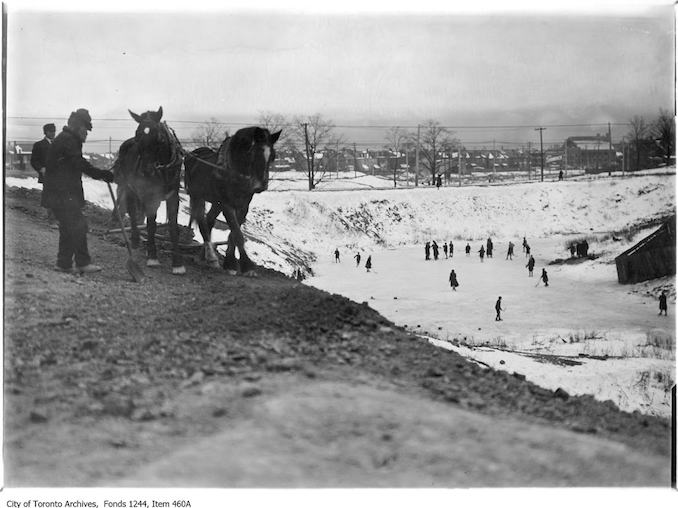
x=654, y=256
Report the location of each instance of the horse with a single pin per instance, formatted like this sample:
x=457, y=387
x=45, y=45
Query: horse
x=228, y=178
x=148, y=171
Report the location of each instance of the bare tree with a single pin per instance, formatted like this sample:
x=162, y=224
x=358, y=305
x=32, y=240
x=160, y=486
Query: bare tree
x=210, y=133
x=312, y=132
x=275, y=122
x=396, y=138
x=664, y=131
x=637, y=133
x=434, y=138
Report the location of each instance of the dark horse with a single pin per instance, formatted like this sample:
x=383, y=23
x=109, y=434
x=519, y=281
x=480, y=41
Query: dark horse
x=228, y=178
x=148, y=171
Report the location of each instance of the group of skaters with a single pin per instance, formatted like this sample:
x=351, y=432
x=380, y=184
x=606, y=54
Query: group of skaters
x=432, y=247
x=357, y=257
x=487, y=250
x=579, y=249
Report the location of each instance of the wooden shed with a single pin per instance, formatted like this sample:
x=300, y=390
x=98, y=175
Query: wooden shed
x=654, y=256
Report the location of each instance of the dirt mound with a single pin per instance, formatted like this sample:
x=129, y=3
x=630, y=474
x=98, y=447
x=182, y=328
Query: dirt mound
x=103, y=375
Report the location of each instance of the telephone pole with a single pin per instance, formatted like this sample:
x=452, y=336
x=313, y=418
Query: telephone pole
x=541, y=145
x=355, y=162
x=309, y=163
x=416, y=163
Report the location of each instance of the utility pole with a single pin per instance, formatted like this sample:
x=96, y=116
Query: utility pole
x=309, y=164
x=609, y=153
x=416, y=163
x=110, y=152
x=336, y=160
x=355, y=162
x=541, y=145
x=459, y=168
x=529, y=160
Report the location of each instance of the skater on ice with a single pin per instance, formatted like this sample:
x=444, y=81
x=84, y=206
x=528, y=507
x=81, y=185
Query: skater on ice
x=468, y=249
x=662, y=303
x=368, y=263
x=435, y=251
x=544, y=277
x=509, y=252
x=453, y=280
x=482, y=253
x=451, y=249
x=530, y=266
x=427, y=250
x=445, y=249
x=357, y=260
x=336, y=255
x=497, y=307
x=490, y=247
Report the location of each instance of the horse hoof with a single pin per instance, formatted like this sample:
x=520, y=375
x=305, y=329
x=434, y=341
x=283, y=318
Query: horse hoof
x=152, y=262
x=213, y=264
x=178, y=270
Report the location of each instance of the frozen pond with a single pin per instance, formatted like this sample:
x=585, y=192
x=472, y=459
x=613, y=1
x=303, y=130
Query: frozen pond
x=584, y=311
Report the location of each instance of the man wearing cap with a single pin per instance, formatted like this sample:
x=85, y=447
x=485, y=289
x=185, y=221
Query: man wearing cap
x=62, y=192
x=40, y=148
x=39, y=160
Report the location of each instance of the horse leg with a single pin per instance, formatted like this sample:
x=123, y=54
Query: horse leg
x=172, y=206
x=130, y=204
x=230, y=262
x=151, y=250
x=208, y=224
x=237, y=239
x=246, y=264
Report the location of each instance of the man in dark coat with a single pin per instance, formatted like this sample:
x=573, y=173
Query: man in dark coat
x=544, y=277
x=39, y=159
x=63, y=194
x=357, y=259
x=468, y=249
x=530, y=265
x=40, y=149
x=451, y=249
x=490, y=246
x=435, y=250
x=497, y=307
x=662, y=303
x=453, y=280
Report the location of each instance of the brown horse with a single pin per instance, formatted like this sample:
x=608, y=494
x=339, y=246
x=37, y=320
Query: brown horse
x=229, y=178
x=148, y=171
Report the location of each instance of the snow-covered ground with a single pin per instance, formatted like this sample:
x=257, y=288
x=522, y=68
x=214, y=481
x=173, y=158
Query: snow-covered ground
x=583, y=312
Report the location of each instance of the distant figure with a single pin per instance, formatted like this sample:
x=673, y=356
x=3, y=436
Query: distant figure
x=544, y=277
x=435, y=251
x=509, y=252
x=357, y=259
x=427, y=250
x=497, y=307
x=490, y=246
x=482, y=253
x=585, y=248
x=39, y=161
x=524, y=243
x=439, y=181
x=453, y=280
x=662, y=303
x=527, y=250
x=530, y=266
x=368, y=263
x=336, y=255
x=572, y=250
x=468, y=249
x=560, y=175
x=445, y=249
x=451, y=249
x=578, y=249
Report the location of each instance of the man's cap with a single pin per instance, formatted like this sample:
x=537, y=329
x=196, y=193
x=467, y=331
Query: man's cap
x=81, y=117
x=48, y=127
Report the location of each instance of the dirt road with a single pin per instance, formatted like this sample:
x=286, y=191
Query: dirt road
x=217, y=380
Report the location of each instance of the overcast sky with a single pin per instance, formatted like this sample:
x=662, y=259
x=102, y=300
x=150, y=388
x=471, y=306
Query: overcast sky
x=521, y=67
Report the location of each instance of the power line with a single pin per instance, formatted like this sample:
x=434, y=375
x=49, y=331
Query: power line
x=353, y=126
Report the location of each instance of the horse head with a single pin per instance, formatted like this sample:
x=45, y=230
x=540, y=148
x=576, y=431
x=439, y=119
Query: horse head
x=251, y=152
x=150, y=136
